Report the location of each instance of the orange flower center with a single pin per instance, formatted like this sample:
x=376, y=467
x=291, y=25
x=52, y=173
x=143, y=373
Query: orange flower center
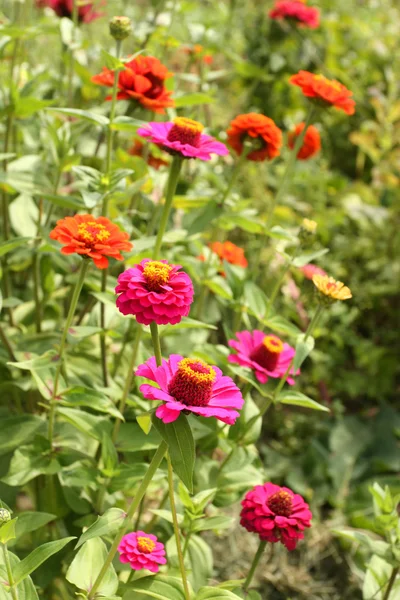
x=185, y=131
x=193, y=382
x=330, y=82
x=92, y=232
x=156, y=274
x=145, y=545
x=268, y=352
x=281, y=503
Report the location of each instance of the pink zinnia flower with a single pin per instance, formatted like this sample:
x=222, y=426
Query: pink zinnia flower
x=64, y=8
x=276, y=513
x=183, y=136
x=267, y=355
x=155, y=291
x=190, y=385
x=296, y=10
x=142, y=551
x=310, y=270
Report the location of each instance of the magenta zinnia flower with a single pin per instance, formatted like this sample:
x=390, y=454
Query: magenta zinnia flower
x=190, y=385
x=276, y=513
x=142, y=551
x=184, y=137
x=266, y=355
x=310, y=270
x=297, y=11
x=155, y=291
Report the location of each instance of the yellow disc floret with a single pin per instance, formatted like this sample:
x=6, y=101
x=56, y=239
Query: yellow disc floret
x=185, y=131
x=156, y=274
x=145, y=544
x=92, y=232
x=273, y=344
x=329, y=287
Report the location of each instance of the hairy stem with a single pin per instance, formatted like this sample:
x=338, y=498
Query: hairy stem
x=254, y=564
x=13, y=589
x=175, y=169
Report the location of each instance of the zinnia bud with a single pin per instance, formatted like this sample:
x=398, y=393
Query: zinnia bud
x=120, y=27
x=5, y=516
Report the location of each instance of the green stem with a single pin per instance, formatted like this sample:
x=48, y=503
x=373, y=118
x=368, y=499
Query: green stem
x=176, y=528
x=128, y=382
x=7, y=344
x=254, y=564
x=125, y=340
x=7, y=292
x=278, y=283
x=176, y=166
x=110, y=132
x=7, y=563
x=391, y=582
x=55, y=189
x=187, y=540
x=156, y=342
x=235, y=173
x=36, y=286
x=75, y=20
x=155, y=463
x=71, y=312
x=290, y=168
x=103, y=345
x=150, y=525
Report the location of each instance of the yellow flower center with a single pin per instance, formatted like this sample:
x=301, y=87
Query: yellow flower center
x=186, y=131
x=145, y=544
x=281, y=503
x=156, y=274
x=329, y=287
x=273, y=344
x=193, y=382
x=92, y=232
x=336, y=85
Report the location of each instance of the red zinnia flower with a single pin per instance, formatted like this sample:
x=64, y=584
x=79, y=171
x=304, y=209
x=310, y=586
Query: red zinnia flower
x=276, y=513
x=139, y=149
x=64, y=8
x=142, y=80
x=142, y=551
x=326, y=92
x=155, y=291
x=311, y=142
x=295, y=10
x=90, y=237
x=262, y=130
x=230, y=252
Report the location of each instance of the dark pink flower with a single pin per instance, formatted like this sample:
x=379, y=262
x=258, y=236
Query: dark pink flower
x=63, y=8
x=265, y=354
x=190, y=385
x=155, y=291
x=296, y=10
x=183, y=136
x=276, y=513
x=310, y=270
x=142, y=551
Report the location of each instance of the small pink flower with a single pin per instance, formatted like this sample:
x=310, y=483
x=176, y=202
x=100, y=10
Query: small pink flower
x=266, y=355
x=155, y=291
x=310, y=270
x=296, y=10
x=190, y=385
x=276, y=513
x=64, y=8
x=142, y=551
x=183, y=137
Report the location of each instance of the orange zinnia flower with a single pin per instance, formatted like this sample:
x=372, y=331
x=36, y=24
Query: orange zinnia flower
x=142, y=80
x=92, y=238
x=326, y=92
x=230, y=252
x=139, y=149
x=266, y=136
x=311, y=142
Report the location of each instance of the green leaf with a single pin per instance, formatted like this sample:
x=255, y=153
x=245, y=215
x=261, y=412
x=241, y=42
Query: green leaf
x=32, y=521
x=194, y=99
x=281, y=325
x=128, y=124
x=47, y=359
x=87, y=115
x=15, y=431
x=132, y=439
x=299, y=399
x=25, y=590
x=86, y=566
x=27, y=463
x=7, y=531
x=367, y=539
x=110, y=61
x=107, y=524
x=86, y=423
x=144, y=421
x=203, y=218
x=303, y=349
x=219, y=286
x=304, y=259
x=83, y=331
x=215, y=523
x=179, y=437
x=160, y=587
x=37, y=557
x=255, y=299
x=27, y=106
x=214, y=593
x=186, y=323
x=71, y=202
x=10, y=245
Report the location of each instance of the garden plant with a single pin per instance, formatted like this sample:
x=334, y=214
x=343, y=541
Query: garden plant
x=200, y=262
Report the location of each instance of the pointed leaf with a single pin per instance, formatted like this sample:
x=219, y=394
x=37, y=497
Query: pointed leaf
x=86, y=566
x=37, y=557
x=106, y=524
x=299, y=399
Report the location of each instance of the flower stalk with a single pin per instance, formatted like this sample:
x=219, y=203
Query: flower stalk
x=74, y=301
x=254, y=564
x=13, y=589
x=175, y=169
x=391, y=582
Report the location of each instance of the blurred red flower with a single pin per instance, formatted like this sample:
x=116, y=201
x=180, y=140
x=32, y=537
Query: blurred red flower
x=230, y=252
x=325, y=92
x=311, y=142
x=64, y=8
x=295, y=10
x=142, y=80
x=259, y=129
